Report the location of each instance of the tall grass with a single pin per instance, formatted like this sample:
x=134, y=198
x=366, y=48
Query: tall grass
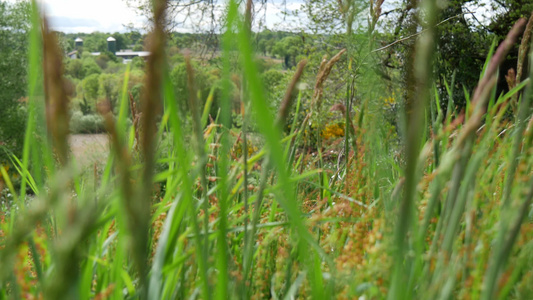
x=451, y=220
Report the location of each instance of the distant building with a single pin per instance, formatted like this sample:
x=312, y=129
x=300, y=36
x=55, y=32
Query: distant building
x=73, y=54
x=127, y=55
x=111, y=44
x=78, y=42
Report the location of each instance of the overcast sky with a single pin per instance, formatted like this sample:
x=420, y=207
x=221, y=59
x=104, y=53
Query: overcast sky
x=113, y=15
x=89, y=16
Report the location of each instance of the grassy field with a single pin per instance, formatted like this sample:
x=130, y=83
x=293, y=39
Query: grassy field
x=201, y=210
x=88, y=149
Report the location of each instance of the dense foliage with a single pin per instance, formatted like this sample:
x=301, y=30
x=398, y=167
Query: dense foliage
x=14, y=27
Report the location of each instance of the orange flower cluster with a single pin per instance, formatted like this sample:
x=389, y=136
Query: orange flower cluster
x=333, y=131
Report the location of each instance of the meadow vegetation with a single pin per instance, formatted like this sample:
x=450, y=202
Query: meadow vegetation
x=269, y=167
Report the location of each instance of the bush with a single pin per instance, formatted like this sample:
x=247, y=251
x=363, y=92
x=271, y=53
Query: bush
x=14, y=27
x=74, y=68
x=12, y=127
x=204, y=80
x=85, y=108
x=80, y=123
x=271, y=80
x=137, y=63
x=90, y=86
x=90, y=67
x=115, y=67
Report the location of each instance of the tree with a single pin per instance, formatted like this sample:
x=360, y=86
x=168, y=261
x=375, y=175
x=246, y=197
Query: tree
x=66, y=43
x=14, y=28
x=109, y=88
x=262, y=46
x=460, y=52
x=95, y=42
x=180, y=12
x=74, y=68
x=462, y=43
x=122, y=40
x=90, y=66
x=271, y=79
x=90, y=87
x=135, y=37
x=102, y=60
x=288, y=48
x=511, y=11
x=204, y=81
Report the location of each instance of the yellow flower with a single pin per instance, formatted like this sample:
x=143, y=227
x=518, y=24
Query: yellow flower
x=333, y=131
x=390, y=101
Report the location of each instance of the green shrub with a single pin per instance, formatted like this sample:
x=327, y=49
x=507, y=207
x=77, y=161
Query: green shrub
x=12, y=126
x=85, y=108
x=204, y=81
x=90, y=67
x=137, y=63
x=14, y=27
x=90, y=86
x=272, y=78
x=80, y=123
x=74, y=68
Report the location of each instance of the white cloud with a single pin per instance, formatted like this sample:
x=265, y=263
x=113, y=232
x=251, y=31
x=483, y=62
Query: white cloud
x=89, y=16
x=479, y=14
x=113, y=15
x=279, y=17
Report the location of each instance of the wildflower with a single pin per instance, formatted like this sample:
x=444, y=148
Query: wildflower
x=333, y=131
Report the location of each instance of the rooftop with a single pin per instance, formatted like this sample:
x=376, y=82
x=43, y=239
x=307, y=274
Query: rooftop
x=130, y=53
